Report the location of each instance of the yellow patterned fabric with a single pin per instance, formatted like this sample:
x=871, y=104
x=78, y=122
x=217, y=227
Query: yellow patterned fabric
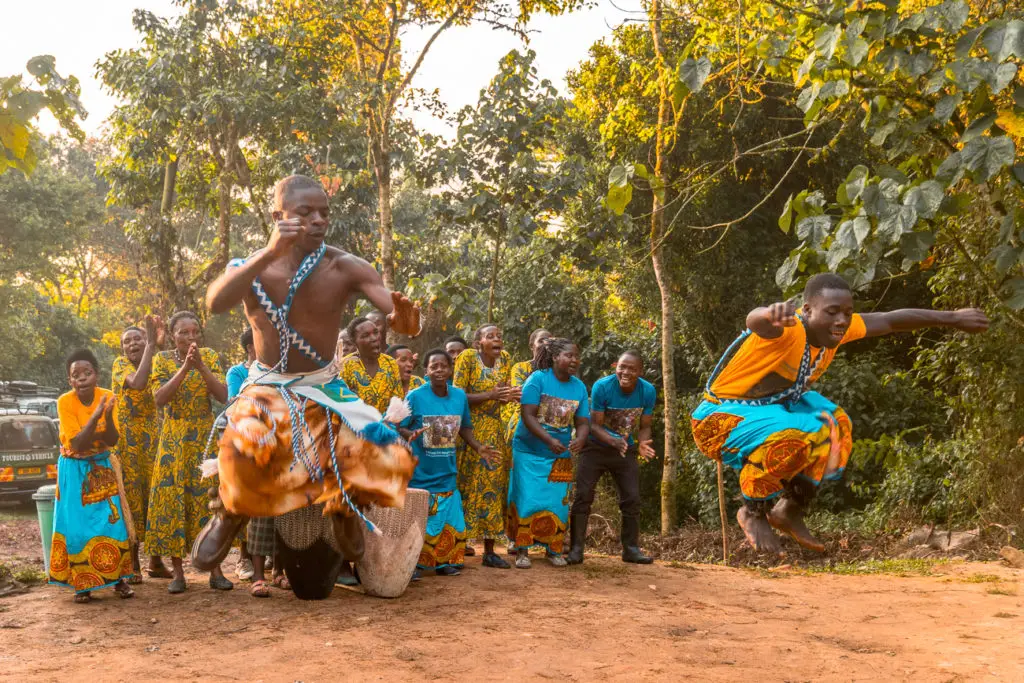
x=484, y=487
x=139, y=425
x=415, y=382
x=511, y=412
x=102, y=562
x=178, y=498
x=377, y=390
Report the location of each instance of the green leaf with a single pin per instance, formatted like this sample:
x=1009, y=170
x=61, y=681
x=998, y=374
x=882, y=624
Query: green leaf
x=951, y=170
x=920, y=63
x=694, y=72
x=1002, y=76
x=826, y=38
x=967, y=41
x=854, y=185
x=787, y=271
x=620, y=175
x=861, y=229
x=641, y=171
x=786, y=219
x=805, y=100
x=836, y=254
x=1004, y=39
x=1005, y=257
x=805, y=70
x=875, y=203
x=925, y=198
x=898, y=222
x=945, y=107
x=42, y=65
x=15, y=138
x=834, y=89
x=814, y=229
x=1015, y=300
x=985, y=157
x=916, y=245
x=978, y=127
x=618, y=198
x=847, y=236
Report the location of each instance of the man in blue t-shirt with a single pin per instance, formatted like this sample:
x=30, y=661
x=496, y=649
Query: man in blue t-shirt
x=620, y=405
x=237, y=374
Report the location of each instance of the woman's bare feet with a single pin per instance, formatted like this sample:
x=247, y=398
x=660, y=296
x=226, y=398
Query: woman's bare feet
x=788, y=517
x=758, y=531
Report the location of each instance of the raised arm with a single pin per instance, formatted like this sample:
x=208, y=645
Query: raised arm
x=230, y=289
x=909, y=319
x=403, y=315
x=139, y=379
x=768, y=322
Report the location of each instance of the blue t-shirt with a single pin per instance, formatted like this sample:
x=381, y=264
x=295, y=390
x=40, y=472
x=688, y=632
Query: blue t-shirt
x=236, y=377
x=443, y=416
x=558, y=405
x=622, y=411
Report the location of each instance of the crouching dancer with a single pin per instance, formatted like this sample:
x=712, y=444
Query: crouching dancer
x=296, y=435
x=758, y=417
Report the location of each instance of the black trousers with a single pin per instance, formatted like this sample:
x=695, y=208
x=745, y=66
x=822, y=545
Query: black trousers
x=595, y=460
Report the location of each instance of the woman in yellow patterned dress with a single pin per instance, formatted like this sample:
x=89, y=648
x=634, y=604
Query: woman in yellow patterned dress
x=484, y=373
x=373, y=376
x=406, y=360
x=139, y=426
x=520, y=373
x=184, y=382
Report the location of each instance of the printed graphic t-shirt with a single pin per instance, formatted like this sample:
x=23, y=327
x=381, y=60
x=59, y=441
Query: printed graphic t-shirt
x=622, y=411
x=443, y=417
x=558, y=405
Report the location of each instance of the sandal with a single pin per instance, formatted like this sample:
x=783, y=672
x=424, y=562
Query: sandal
x=123, y=590
x=523, y=560
x=281, y=581
x=220, y=583
x=470, y=550
x=177, y=586
x=82, y=598
x=259, y=589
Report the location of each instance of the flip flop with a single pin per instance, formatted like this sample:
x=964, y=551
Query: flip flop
x=281, y=581
x=177, y=586
x=82, y=598
x=259, y=589
x=124, y=591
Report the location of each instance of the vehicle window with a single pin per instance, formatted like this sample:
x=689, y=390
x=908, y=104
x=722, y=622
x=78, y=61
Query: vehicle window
x=17, y=435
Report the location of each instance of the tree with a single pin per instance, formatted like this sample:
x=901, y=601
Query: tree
x=363, y=41
x=502, y=175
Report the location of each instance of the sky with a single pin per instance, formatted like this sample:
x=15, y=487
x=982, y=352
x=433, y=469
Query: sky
x=459, y=64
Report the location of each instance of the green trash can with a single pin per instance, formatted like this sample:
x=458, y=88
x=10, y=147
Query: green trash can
x=44, y=498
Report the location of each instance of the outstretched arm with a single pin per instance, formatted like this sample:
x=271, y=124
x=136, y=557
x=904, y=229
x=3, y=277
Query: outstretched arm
x=403, y=315
x=910, y=319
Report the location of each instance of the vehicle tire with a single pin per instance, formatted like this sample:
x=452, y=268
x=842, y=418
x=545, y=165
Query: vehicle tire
x=312, y=571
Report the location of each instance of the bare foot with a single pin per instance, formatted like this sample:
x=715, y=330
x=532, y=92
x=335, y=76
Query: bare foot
x=788, y=517
x=758, y=532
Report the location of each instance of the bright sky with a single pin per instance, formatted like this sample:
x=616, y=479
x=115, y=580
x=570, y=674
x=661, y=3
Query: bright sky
x=460, y=63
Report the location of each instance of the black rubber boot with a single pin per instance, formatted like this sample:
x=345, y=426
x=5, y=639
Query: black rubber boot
x=577, y=538
x=631, y=542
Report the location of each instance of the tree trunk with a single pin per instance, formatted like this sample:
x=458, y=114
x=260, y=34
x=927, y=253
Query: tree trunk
x=164, y=245
x=380, y=155
x=495, y=265
x=662, y=275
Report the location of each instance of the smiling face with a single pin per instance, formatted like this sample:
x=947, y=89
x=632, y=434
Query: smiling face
x=567, y=362
x=367, y=340
x=540, y=337
x=827, y=316
x=628, y=370
x=439, y=369
x=186, y=332
x=490, y=341
x=82, y=377
x=309, y=205
x=406, y=360
x=133, y=343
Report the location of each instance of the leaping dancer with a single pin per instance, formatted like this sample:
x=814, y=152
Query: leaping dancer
x=296, y=435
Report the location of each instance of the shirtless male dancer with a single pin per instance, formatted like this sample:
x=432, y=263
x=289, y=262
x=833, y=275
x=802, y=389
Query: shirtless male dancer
x=294, y=291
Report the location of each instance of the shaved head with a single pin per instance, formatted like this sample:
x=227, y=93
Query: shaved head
x=291, y=185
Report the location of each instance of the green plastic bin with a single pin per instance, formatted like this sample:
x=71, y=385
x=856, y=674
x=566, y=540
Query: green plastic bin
x=44, y=498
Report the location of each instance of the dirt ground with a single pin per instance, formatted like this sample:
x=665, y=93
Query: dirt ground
x=600, y=621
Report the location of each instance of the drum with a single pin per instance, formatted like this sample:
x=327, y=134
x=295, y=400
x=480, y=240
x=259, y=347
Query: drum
x=389, y=559
x=308, y=552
